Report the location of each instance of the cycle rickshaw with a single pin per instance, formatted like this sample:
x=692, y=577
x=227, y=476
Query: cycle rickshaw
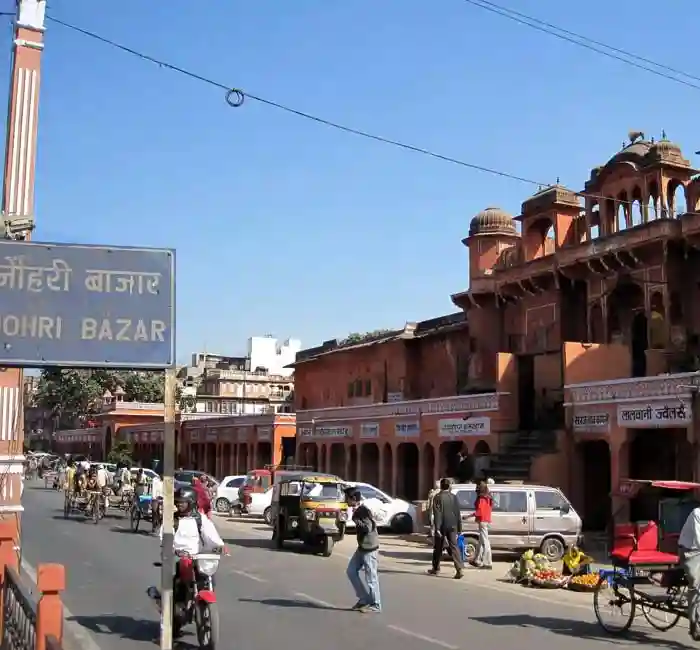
x=646, y=574
x=146, y=506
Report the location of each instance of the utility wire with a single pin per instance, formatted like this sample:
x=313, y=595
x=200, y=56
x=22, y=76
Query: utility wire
x=235, y=97
x=604, y=49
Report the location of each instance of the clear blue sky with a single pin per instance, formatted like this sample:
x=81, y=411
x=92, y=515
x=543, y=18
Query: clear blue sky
x=287, y=227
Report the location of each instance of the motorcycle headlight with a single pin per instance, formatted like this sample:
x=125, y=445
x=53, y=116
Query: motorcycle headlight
x=310, y=515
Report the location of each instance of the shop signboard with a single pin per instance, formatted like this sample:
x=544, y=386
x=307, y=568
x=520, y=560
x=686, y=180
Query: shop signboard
x=591, y=421
x=407, y=429
x=369, y=430
x=464, y=427
x=264, y=434
x=656, y=414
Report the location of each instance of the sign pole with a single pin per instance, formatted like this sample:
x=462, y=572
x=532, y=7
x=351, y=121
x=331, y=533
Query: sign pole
x=166, y=590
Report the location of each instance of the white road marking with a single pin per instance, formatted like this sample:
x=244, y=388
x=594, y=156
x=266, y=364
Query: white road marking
x=317, y=601
x=77, y=631
x=513, y=590
x=250, y=576
x=422, y=637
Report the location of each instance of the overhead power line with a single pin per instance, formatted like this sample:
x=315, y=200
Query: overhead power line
x=235, y=97
x=604, y=49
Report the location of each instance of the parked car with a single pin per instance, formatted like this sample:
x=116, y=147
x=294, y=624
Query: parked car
x=261, y=505
x=397, y=515
x=227, y=493
x=524, y=516
x=187, y=475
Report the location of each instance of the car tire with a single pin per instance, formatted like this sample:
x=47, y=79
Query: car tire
x=267, y=516
x=222, y=505
x=553, y=548
x=402, y=524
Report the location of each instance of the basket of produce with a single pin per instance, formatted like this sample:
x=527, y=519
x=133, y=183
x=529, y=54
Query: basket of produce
x=587, y=582
x=548, y=579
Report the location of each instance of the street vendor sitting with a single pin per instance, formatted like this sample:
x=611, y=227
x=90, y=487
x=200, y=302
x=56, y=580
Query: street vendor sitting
x=576, y=562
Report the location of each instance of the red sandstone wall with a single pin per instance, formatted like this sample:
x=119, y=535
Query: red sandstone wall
x=584, y=362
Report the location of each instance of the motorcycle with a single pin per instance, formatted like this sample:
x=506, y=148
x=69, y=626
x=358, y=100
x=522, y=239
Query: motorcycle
x=194, y=598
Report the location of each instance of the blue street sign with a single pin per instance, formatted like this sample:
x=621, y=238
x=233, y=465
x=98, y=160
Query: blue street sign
x=72, y=305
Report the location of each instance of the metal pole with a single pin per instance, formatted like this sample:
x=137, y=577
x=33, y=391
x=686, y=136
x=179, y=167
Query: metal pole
x=166, y=587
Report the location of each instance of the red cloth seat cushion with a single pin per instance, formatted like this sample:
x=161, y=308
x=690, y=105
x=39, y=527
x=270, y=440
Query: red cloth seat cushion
x=644, y=557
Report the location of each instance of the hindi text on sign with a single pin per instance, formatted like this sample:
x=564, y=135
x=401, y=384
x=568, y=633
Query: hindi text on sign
x=668, y=413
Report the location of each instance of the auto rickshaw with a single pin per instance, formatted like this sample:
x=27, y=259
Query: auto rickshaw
x=311, y=509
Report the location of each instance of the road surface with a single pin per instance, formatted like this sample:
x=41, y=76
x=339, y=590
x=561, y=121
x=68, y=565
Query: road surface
x=290, y=599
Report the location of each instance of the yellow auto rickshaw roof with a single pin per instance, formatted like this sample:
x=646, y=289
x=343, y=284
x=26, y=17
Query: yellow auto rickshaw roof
x=319, y=479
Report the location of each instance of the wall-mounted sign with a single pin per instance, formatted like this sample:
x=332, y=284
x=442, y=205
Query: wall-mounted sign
x=194, y=436
x=591, y=421
x=407, y=429
x=332, y=432
x=264, y=434
x=212, y=436
x=306, y=433
x=392, y=398
x=460, y=428
x=667, y=413
x=243, y=434
x=369, y=430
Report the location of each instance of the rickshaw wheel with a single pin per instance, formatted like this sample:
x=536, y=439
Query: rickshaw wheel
x=610, y=596
x=327, y=544
x=135, y=519
x=278, y=534
x=656, y=623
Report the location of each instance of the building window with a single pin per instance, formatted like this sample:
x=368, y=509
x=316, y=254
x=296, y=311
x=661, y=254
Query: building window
x=210, y=407
x=368, y=387
x=358, y=388
x=351, y=389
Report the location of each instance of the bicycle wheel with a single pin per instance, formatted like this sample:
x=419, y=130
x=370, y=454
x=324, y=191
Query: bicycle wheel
x=618, y=600
x=660, y=619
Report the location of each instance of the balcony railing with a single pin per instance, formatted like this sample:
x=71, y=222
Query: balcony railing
x=434, y=406
x=595, y=392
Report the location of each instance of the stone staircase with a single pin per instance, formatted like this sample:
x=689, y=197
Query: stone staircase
x=513, y=462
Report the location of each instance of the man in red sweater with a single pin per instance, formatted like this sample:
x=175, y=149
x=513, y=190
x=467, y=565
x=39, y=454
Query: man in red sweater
x=203, y=499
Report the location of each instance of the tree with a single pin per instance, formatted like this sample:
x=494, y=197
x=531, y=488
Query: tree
x=72, y=396
x=121, y=452
x=356, y=337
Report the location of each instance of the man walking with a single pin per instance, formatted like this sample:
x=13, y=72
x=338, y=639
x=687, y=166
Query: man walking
x=365, y=560
x=447, y=521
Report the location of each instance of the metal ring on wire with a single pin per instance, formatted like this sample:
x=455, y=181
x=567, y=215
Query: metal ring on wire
x=235, y=97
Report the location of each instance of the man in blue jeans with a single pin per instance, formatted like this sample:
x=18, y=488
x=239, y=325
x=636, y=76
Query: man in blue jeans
x=365, y=560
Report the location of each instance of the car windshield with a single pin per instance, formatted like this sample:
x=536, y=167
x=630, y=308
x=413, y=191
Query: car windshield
x=322, y=491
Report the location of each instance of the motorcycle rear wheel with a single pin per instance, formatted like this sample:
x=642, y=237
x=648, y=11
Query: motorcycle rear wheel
x=206, y=619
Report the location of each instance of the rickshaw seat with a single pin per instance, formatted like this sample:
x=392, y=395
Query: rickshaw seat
x=644, y=557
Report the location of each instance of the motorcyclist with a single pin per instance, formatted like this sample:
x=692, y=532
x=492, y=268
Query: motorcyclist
x=193, y=534
x=92, y=480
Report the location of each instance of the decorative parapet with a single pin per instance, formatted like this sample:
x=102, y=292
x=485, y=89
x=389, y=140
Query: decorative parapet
x=434, y=406
x=633, y=389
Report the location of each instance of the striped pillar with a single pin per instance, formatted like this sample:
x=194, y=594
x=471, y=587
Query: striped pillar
x=18, y=201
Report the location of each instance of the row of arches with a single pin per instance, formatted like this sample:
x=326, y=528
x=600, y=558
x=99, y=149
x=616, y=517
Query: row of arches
x=405, y=469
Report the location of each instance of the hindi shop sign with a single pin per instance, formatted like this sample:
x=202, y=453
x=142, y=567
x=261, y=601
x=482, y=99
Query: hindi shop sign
x=666, y=413
x=76, y=305
x=464, y=427
x=591, y=422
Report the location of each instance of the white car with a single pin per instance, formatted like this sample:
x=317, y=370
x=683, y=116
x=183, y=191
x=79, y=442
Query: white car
x=261, y=505
x=395, y=514
x=227, y=493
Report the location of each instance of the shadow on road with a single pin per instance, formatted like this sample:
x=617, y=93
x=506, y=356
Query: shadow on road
x=134, y=629
x=247, y=542
x=141, y=531
x=413, y=557
x=287, y=603
x=579, y=629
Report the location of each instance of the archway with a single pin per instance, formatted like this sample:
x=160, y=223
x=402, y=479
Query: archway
x=309, y=455
x=388, y=467
x=323, y=459
x=337, y=459
x=597, y=333
x=243, y=458
x=636, y=208
x=624, y=301
x=653, y=207
x=449, y=458
x=352, y=464
x=408, y=471
x=594, y=456
x=369, y=463
x=657, y=322
x=108, y=441
x=622, y=215
x=428, y=463
x=540, y=238
x=482, y=459
x=264, y=454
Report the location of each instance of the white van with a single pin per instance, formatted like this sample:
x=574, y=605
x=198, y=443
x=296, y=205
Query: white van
x=524, y=516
